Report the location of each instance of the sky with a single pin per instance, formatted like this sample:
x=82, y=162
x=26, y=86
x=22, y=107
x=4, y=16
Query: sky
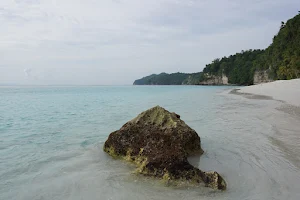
x=114, y=42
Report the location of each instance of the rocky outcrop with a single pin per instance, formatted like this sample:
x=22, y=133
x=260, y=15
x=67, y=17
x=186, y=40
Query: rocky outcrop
x=158, y=143
x=261, y=77
x=215, y=80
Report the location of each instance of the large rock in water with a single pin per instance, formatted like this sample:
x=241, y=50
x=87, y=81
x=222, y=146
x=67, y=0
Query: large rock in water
x=159, y=142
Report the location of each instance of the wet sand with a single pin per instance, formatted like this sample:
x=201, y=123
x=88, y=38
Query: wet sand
x=286, y=122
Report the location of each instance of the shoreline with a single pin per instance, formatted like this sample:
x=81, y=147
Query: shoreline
x=249, y=95
x=286, y=91
x=284, y=116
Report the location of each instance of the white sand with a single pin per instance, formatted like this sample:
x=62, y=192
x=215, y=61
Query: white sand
x=284, y=90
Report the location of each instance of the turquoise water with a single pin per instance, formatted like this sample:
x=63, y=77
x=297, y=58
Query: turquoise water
x=51, y=143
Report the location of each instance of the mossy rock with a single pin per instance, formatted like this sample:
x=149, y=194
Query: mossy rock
x=159, y=142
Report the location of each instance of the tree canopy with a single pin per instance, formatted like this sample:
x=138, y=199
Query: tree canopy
x=281, y=59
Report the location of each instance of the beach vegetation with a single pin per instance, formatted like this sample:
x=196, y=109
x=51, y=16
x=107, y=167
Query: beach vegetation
x=281, y=59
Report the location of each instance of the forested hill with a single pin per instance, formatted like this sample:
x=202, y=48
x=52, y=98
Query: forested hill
x=281, y=60
x=283, y=55
x=162, y=79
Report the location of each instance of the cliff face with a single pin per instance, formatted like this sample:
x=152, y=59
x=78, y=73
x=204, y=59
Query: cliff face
x=194, y=79
x=261, y=77
x=215, y=80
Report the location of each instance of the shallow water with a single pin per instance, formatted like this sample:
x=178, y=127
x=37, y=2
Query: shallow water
x=51, y=143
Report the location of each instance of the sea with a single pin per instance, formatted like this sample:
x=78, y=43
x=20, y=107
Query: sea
x=51, y=141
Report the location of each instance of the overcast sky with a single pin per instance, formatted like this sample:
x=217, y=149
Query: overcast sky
x=117, y=41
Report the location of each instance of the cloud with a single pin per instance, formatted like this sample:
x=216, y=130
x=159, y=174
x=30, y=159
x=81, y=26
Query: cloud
x=117, y=41
x=27, y=72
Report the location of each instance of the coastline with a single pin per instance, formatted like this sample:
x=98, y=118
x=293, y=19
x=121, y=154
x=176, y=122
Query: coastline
x=287, y=91
x=282, y=113
x=61, y=157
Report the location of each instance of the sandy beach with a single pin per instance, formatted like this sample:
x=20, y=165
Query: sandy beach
x=287, y=91
x=284, y=115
